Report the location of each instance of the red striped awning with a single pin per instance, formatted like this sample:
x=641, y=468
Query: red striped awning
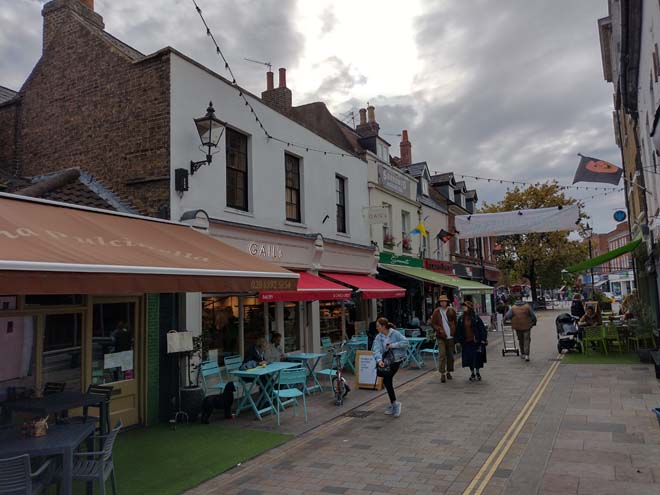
x=368, y=287
x=310, y=288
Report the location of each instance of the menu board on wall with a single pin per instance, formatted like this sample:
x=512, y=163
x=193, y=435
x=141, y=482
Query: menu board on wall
x=365, y=371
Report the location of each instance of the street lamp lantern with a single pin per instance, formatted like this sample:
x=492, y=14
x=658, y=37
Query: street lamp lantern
x=589, y=232
x=210, y=130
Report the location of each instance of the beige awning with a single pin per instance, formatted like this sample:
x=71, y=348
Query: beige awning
x=53, y=248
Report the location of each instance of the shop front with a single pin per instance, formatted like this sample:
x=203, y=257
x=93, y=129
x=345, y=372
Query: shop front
x=83, y=288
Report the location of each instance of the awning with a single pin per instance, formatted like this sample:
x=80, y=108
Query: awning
x=310, y=288
x=604, y=258
x=55, y=248
x=368, y=287
x=467, y=287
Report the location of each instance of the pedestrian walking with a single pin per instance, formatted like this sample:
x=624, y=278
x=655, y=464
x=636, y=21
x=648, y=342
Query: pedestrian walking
x=389, y=350
x=443, y=321
x=522, y=318
x=577, y=308
x=472, y=335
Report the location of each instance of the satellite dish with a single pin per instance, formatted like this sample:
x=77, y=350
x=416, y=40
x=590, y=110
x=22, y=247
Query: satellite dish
x=619, y=215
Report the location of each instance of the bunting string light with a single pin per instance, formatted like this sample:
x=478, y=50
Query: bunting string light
x=247, y=103
x=538, y=183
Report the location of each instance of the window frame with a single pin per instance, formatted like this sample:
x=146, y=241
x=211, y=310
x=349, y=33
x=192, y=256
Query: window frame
x=230, y=169
x=342, y=227
x=287, y=188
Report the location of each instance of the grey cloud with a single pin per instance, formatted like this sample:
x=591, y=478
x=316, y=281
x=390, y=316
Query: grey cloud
x=329, y=20
x=339, y=84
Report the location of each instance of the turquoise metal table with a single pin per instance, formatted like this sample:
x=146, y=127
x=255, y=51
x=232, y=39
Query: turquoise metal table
x=354, y=346
x=413, y=352
x=311, y=360
x=266, y=377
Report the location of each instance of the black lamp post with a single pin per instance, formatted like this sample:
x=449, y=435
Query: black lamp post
x=589, y=231
x=210, y=130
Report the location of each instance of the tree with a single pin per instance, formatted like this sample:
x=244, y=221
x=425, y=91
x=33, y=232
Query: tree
x=538, y=257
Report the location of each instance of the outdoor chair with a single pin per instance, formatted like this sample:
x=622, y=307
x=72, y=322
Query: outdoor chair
x=17, y=478
x=434, y=352
x=98, y=465
x=640, y=336
x=54, y=388
x=594, y=335
x=232, y=363
x=329, y=368
x=612, y=337
x=104, y=392
x=287, y=389
x=208, y=371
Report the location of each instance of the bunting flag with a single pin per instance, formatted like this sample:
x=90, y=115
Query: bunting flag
x=444, y=236
x=420, y=229
x=595, y=170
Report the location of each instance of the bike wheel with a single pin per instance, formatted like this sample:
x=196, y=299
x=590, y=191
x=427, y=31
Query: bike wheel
x=338, y=388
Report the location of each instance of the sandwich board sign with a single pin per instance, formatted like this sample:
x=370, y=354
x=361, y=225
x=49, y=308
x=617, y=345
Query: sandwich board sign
x=365, y=371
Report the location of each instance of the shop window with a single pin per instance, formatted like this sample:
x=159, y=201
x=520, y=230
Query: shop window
x=292, y=183
x=253, y=325
x=61, y=360
x=113, y=340
x=16, y=352
x=331, y=314
x=291, y=327
x=220, y=326
x=55, y=300
x=237, y=170
x=7, y=303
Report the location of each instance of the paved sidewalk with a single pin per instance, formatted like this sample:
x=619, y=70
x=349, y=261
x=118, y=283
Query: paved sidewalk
x=591, y=432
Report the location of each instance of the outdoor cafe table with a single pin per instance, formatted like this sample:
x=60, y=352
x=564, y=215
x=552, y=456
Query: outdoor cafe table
x=311, y=361
x=60, y=440
x=58, y=402
x=355, y=345
x=269, y=373
x=412, y=352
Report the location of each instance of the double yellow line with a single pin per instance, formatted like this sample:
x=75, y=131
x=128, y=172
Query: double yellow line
x=480, y=481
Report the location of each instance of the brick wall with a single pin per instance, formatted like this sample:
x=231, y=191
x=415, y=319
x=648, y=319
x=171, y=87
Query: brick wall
x=8, y=114
x=153, y=358
x=89, y=104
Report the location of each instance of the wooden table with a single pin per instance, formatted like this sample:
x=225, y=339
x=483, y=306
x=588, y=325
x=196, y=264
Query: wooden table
x=60, y=440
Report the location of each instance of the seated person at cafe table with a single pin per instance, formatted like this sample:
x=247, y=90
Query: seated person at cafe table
x=274, y=352
x=592, y=317
x=255, y=355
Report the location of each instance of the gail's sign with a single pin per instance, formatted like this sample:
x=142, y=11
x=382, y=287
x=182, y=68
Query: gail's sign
x=265, y=250
x=376, y=215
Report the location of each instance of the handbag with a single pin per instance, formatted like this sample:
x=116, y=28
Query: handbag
x=386, y=369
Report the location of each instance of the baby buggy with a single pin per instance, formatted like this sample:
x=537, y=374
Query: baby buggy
x=568, y=333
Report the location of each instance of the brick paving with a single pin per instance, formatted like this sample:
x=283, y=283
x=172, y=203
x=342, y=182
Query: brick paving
x=591, y=432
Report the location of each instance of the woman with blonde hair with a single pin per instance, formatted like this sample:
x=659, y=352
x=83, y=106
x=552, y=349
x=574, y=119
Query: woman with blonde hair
x=389, y=350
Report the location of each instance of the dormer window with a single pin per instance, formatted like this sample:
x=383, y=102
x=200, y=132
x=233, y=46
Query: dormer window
x=382, y=151
x=425, y=186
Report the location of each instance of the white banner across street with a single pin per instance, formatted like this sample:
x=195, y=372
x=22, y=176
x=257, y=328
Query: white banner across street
x=517, y=222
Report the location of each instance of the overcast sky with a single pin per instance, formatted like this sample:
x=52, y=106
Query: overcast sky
x=511, y=89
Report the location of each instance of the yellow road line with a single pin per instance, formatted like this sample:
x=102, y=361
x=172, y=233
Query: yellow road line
x=511, y=434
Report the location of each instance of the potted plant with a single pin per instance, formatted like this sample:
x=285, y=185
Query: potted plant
x=388, y=240
x=406, y=243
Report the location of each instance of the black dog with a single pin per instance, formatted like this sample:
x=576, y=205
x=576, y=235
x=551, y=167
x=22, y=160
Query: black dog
x=222, y=401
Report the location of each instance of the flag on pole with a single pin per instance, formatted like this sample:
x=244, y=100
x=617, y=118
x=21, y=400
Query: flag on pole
x=595, y=170
x=420, y=229
x=444, y=236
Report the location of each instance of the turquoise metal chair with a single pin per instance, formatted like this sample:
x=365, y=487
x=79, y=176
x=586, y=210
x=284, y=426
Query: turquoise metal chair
x=287, y=383
x=211, y=378
x=434, y=352
x=232, y=363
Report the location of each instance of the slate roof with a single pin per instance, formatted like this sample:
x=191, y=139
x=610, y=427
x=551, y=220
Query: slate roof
x=6, y=94
x=416, y=169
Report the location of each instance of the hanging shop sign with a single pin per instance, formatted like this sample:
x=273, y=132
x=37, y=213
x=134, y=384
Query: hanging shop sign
x=394, y=259
x=619, y=215
x=376, y=215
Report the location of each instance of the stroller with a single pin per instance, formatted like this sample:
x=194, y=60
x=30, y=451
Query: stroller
x=568, y=333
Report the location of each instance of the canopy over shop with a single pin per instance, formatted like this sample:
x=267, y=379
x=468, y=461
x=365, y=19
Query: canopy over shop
x=604, y=258
x=82, y=304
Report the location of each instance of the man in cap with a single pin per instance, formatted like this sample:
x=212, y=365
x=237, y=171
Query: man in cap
x=522, y=318
x=443, y=321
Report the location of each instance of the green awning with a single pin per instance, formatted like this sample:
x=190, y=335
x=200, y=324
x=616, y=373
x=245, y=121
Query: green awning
x=604, y=258
x=467, y=287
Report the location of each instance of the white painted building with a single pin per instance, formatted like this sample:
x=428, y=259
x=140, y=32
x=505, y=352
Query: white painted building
x=299, y=208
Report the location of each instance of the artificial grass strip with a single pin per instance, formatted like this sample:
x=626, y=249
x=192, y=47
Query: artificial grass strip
x=595, y=357
x=158, y=460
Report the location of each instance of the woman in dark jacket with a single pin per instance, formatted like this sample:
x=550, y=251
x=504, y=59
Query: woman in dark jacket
x=471, y=333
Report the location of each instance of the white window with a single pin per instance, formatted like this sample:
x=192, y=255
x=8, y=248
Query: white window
x=425, y=186
x=405, y=224
x=388, y=238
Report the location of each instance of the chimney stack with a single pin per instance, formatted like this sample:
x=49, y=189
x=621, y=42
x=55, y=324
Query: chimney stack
x=89, y=3
x=406, y=149
x=371, y=114
x=278, y=98
x=363, y=116
x=56, y=13
x=270, y=80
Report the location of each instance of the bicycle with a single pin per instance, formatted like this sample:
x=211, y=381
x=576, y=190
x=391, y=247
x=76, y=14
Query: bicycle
x=339, y=385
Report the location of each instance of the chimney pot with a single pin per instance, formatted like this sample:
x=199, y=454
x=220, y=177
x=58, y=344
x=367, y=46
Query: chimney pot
x=88, y=3
x=406, y=149
x=371, y=114
x=270, y=80
x=282, y=77
x=363, y=116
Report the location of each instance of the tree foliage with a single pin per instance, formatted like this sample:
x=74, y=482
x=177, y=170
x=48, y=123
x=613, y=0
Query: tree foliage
x=539, y=258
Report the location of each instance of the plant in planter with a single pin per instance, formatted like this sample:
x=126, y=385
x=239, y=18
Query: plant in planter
x=388, y=240
x=406, y=243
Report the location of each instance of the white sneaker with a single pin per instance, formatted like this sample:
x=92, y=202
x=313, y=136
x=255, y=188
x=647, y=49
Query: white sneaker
x=397, y=409
x=390, y=410
x=527, y=358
